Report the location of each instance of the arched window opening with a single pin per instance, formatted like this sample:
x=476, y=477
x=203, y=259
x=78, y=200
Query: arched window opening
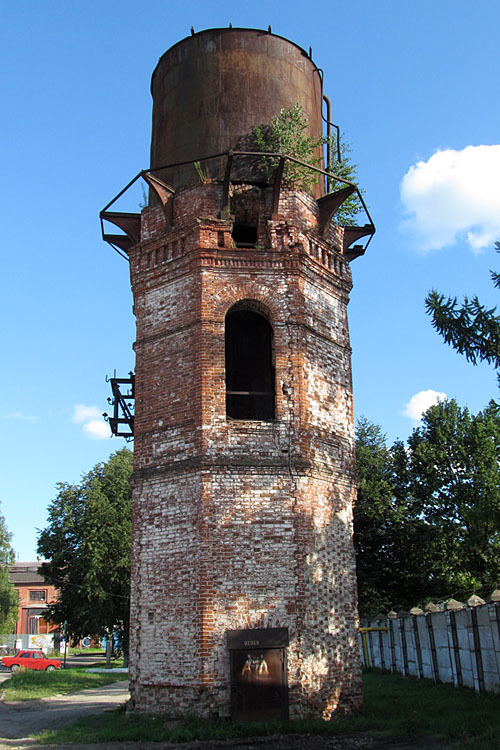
x=250, y=388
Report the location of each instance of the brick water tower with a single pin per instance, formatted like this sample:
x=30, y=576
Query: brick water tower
x=243, y=599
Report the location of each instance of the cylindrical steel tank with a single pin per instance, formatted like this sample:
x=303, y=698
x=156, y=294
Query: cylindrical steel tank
x=210, y=90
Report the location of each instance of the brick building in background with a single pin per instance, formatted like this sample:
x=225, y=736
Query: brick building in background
x=34, y=596
x=243, y=598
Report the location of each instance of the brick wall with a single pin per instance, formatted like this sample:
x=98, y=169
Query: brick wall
x=241, y=524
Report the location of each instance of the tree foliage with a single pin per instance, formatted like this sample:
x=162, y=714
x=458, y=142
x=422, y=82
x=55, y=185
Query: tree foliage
x=455, y=480
x=389, y=537
x=374, y=518
x=287, y=134
x=346, y=169
x=87, y=547
x=471, y=328
x=8, y=595
x=427, y=519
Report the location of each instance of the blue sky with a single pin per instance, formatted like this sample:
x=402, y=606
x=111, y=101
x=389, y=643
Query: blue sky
x=413, y=86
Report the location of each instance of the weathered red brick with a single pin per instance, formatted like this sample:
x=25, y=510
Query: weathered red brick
x=241, y=524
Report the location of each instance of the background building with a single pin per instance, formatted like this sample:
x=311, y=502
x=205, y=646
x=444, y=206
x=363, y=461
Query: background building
x=34, y=596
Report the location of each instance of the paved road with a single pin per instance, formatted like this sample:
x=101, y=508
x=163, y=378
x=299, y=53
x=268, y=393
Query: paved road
x=19, y=720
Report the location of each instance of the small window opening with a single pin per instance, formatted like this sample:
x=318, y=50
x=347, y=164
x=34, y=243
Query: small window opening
x=244, y=235
x=220, y=239
x=38, y=596
x=250, y=388
x=246, y=208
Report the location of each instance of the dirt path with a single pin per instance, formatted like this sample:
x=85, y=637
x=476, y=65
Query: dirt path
x=19, y=720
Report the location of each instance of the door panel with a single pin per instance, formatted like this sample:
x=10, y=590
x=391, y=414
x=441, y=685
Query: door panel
x=259, y=688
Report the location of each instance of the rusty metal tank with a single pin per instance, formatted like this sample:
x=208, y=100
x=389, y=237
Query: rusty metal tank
x=210, y=90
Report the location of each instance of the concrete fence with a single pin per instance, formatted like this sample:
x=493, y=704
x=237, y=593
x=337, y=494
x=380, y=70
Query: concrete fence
x=459, y=644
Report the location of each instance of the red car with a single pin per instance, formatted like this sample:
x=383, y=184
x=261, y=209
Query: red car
x=30, y=660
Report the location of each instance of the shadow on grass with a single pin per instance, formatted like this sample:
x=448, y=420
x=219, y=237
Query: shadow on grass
x=394, y=707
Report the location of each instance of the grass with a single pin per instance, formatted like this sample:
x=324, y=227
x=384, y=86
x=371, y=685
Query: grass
x=394, y=707
x=26, y=684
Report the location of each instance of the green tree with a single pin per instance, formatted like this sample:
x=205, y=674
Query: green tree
x=8, y=595
x=455, y=482
x=87, y=547
x=392, y=559
x=471, y=328
x=346, y=169
x=287, y=134
x=427, y=518
x=373, y=519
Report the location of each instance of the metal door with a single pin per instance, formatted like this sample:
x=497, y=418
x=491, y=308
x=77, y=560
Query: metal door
x=259, y=684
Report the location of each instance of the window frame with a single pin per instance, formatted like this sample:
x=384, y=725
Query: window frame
x=32, y=598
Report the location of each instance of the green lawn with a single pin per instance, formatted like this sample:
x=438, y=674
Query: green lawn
x=394, y=707
x=28, y=684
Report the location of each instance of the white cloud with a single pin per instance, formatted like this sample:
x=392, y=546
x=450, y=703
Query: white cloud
x=97, y=429
x=420, y=402
x=82, y=413
x=453, y=195
x=90, y=417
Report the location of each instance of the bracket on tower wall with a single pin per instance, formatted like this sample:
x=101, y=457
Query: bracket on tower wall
x=130, y=223
x=355, y=233
x=122, y=401
x=163, y=192
x=329, y=205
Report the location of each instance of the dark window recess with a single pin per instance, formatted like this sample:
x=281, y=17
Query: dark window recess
x=244, y=235
x=250, y=390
